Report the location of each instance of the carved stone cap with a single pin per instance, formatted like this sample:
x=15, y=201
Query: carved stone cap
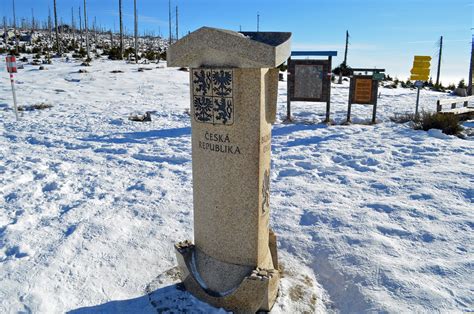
x=213, y=47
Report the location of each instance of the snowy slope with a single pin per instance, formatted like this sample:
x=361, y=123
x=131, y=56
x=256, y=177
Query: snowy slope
x=368, y=217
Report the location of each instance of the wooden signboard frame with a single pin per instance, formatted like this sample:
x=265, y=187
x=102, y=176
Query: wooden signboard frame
x=358, y=97
x=292, y=80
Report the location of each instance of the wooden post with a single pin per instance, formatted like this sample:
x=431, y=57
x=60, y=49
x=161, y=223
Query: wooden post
x=439, y=60
x=288, y=100
x=375, y=90
x=374, y=113
x=471, y=69
x=466, y=103
x=349, y=103
x=438, y=106
x=328, y=103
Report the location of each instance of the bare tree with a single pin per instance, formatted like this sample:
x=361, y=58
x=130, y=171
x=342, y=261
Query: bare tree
x=136, y=31
x=5, y=31
x=121, y=29
x=17, y=42
x=73, y=25
x=58, y=46
x=177, y=34
x=32, y=20
x=50, y=24
x=94, y=29
x=169, y=21
x=80, y=26
x=86, y=30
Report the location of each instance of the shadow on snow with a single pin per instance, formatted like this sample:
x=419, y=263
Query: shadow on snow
x=137, y=137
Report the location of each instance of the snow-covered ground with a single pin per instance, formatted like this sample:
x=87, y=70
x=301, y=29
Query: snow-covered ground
x=369, y=218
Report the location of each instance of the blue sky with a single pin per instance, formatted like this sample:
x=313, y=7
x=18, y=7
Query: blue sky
x=383, y=33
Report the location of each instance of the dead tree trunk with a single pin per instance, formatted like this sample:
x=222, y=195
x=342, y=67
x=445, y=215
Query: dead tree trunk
x=87, y=31
x=58, y=46
x=50, y=25
x=169, y=21
x=80, y=28
x=177, y=33
x=17, y=42
x=136, y=31
x=121, y=29
x=73, y=25
x=5, y=32
x=33, y=26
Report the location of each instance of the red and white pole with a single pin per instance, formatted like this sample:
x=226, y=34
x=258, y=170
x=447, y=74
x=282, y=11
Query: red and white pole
x=14, y=95
x=12, y=68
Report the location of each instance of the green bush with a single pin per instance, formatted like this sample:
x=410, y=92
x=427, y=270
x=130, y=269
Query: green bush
x=387, y=78
x=36, y=49
x=344, y=68
x=163, y=55
x=448, y=123
x=403, y=117
x=151, y=55
x=79, y=54
x=407, y=84
x=439, y=88
x=114, y=53
x=128, y=52
x=462, y=84
x=283, y=67
x=13, y=53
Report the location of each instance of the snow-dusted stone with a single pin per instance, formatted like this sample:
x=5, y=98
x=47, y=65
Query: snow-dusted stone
x=462, y=92
x=223, y=48
x=234, y=85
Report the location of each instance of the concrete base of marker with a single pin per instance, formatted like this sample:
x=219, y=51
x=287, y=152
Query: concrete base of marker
x=237, y=288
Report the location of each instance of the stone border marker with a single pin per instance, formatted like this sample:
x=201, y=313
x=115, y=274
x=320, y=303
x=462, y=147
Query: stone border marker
x=234, y=87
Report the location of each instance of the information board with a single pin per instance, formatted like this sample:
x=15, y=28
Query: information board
x=363, y=90
x=309, y=80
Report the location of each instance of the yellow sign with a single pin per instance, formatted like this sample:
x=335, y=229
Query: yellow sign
x=420, y=71
x=421, y=64
x=421, y=68
x=423, y=58
x=419, y=78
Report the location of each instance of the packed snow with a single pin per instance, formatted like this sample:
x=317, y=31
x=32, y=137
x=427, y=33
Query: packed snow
x=368, y=217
